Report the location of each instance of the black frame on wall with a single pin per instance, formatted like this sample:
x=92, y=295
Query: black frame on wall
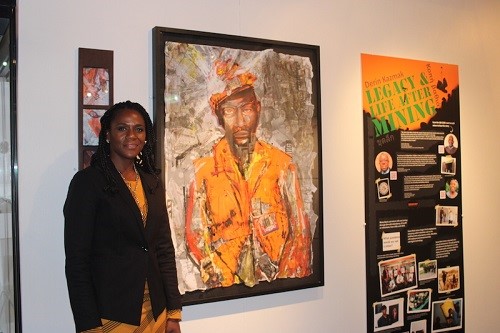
x=95, y=96
x=163, y=112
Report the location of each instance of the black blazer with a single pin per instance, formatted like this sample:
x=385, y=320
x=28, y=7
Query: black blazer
x=110, y=254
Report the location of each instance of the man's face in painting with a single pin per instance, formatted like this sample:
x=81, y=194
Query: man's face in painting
x=239, y=114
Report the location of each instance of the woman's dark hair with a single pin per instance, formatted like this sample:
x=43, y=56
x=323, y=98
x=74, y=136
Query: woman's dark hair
x=145, y=160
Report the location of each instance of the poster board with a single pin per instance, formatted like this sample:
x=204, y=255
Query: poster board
x=413, y=202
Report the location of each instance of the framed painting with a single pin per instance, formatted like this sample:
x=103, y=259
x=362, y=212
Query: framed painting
x=239, y=133
x=95, y=96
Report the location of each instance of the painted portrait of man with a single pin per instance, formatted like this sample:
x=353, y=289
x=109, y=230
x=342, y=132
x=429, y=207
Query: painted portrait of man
x=239, y=160
x=245, y=219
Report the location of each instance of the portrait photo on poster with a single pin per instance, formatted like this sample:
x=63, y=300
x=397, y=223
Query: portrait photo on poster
x=388, y=314
x=452, y=188
x=450, y=144
x=239, y=123
x=383, y=163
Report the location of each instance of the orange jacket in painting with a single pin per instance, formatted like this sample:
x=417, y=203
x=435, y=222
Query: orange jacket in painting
x=247, y=228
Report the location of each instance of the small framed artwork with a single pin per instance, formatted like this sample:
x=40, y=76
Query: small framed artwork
x=238, y=121
x=91, y=126
x=95, y=87
x=86, y=157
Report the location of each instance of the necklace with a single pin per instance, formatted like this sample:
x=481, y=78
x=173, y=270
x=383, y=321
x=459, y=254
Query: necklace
x=142, y=208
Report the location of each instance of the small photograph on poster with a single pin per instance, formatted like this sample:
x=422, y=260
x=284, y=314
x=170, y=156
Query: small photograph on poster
x=397, y=275
x=419, y=326
x=447, y=315
x=388, y=314
x=448, y=165
x=383, y=163
x=450, y=144
x=95, y=87
x=451, y=188
x=383, y=189
x=91, y=126
x=449, y=279
x=446, y=216
x=427, y=270
x=419, y=300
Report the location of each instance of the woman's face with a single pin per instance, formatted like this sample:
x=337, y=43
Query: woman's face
x=127, y=135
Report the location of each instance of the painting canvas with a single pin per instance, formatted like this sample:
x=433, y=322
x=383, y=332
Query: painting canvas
x=91, y=126
x=95, y=96
x=238, y=122
x=95, y=86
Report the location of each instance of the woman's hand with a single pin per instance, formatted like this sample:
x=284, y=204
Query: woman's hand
x=172, y=326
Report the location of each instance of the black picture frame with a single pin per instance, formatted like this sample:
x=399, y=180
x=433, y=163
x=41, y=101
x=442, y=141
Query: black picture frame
x=183, y=109
x=95, y=96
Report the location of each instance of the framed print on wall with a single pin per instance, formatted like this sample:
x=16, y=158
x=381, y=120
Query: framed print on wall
x=95, y=96
x=239, y=133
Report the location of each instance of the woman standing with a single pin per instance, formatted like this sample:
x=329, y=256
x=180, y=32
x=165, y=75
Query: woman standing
x=120, y=264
